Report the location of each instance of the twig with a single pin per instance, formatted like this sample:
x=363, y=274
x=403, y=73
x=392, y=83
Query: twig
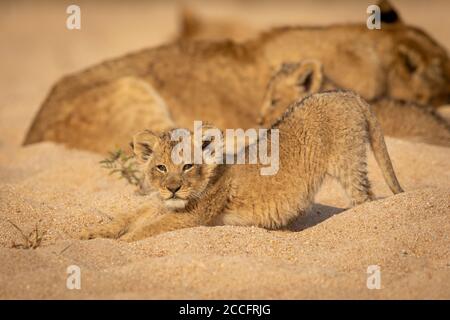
x=119, y=163
x=30, y=242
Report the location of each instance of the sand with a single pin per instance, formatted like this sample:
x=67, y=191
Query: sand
x=324, y=254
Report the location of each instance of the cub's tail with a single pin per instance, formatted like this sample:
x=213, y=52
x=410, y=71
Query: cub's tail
x=379, y=147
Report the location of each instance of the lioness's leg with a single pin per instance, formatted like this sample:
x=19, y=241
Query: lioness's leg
x=167, y=222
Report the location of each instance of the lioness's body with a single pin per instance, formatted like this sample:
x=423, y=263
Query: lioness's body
x=197, y=81
x=406, y=59
x=397, y=118
x=221, y=82
x=324, y=134
x=412, y=121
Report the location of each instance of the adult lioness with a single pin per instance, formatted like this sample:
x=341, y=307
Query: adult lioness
x=221, y=82
x=408, y=58
x=323, y=134
x=397, y=118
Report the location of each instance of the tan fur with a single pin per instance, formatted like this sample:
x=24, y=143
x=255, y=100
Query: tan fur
x=397, y=118
x=323, y=135
x=121, y=107
x=221, y=82
x=412, y=121
x=407, y=64
x=444, y=112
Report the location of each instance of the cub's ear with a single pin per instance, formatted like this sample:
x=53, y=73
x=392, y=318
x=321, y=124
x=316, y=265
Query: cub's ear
x=211, y=139
x=309, y=76
x=306, y=75
x=388, y=12
x=144, y=144
x=289, y=83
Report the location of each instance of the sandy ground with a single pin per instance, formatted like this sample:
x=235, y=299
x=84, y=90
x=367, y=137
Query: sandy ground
x=324, y=254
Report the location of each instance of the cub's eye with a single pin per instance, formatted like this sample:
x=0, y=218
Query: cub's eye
x=187, y=167
x=161, y=168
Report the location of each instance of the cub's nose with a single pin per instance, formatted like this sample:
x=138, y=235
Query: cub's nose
x=174, y=188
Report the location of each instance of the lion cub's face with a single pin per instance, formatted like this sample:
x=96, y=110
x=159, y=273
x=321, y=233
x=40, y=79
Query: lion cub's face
x=176, y=184
x=420, y=68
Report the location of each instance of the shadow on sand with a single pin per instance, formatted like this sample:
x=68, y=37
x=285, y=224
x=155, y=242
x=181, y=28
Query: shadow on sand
x=315, y=215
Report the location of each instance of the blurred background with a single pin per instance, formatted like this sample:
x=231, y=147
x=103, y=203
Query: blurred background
x=37, y=48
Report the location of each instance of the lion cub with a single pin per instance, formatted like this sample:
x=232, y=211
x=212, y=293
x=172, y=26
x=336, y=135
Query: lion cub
x=323, y=134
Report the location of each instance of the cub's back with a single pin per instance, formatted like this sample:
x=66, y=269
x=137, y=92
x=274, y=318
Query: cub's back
x=327, y=112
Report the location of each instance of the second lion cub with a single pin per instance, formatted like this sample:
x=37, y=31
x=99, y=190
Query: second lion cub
x=323, y=134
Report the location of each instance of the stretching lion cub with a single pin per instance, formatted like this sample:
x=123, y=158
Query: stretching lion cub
x=323, y=134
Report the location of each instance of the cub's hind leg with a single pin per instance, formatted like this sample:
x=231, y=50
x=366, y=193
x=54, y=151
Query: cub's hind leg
x=351, y=172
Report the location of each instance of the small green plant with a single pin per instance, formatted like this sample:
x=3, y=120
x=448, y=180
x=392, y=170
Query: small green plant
x=31, y=240
x=120, y=163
